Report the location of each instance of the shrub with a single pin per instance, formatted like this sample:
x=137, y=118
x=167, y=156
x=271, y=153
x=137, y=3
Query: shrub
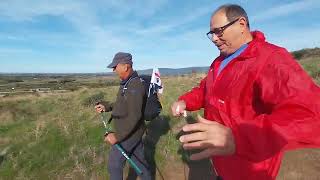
x=91, y=100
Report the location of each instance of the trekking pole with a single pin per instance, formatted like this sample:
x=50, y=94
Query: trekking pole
x=118, y=146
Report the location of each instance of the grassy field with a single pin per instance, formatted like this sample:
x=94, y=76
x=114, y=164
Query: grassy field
x=58, y=135
x=26, y=84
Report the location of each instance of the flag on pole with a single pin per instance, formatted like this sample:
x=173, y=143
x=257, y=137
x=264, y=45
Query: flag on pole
x=155, y=82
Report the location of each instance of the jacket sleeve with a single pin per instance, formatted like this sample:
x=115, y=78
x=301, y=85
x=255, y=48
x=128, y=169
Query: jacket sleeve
x=292, y=105
x=134, y=96
x=194, y=99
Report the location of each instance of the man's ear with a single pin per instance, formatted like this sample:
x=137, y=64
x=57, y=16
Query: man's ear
x=126, y=67
x=243, y=22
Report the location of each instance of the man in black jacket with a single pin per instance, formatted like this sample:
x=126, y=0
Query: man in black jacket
x=127, y=113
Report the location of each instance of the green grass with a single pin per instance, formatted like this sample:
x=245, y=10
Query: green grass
x=58, y=136
x=312, y=66
x=41, y=134
x=70, y=82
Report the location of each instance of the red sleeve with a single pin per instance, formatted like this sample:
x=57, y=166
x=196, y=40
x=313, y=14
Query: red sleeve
x=194, y=99
x=291, y=103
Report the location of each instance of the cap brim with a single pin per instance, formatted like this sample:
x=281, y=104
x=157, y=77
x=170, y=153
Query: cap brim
x=112, y=65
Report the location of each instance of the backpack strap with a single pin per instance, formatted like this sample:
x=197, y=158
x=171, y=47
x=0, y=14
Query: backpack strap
x=126, y=84
x=151, y=89
x=148, y=90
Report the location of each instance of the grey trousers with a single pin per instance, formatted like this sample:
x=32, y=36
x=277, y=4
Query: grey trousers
x=134, y=148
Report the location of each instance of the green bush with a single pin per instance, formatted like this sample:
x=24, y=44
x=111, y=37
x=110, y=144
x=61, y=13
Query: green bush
x=313, y=68
x=92, y=99
x=298, y=54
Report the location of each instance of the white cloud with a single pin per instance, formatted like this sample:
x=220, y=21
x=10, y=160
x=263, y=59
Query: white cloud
x=155, y=31
x=169, y=25
x=286, y=9
x=139, y=8
x=307, y=37
x=18, y=10
x=79, y=14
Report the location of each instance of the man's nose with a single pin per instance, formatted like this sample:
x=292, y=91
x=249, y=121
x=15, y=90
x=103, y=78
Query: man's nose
x=215, y=38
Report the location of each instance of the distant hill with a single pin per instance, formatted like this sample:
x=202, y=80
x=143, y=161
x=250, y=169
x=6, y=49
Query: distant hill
x=306, y=53
x=179, y=71
x=299, y=55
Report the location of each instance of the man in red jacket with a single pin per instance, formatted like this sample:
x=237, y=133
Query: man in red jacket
x=257, y=100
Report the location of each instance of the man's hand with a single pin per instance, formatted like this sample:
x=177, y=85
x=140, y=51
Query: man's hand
x=178, y=107
x=212, y=137
x=100, y=108
x=110, y=138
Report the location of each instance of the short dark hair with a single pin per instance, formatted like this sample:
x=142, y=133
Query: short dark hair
x=233, y=11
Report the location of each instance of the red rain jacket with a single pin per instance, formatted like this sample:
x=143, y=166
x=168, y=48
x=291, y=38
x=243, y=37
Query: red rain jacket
x=267, y=100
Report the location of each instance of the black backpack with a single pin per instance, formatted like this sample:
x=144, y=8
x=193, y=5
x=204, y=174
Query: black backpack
x=152, y=106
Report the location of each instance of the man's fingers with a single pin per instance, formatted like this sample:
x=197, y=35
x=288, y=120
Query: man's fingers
x=196, y=145
x=195, y=127
x=174, y=110
x=177, y=108
x=205, y=121
x=106, y=140
x=99, y=109
x=197, y=136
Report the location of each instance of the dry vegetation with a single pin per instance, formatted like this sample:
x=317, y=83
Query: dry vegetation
x=58, y=136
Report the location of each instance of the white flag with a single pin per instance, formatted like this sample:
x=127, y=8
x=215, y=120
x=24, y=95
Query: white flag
x=155, y=82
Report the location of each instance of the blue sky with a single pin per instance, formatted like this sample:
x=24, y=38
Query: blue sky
x=60, y=36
